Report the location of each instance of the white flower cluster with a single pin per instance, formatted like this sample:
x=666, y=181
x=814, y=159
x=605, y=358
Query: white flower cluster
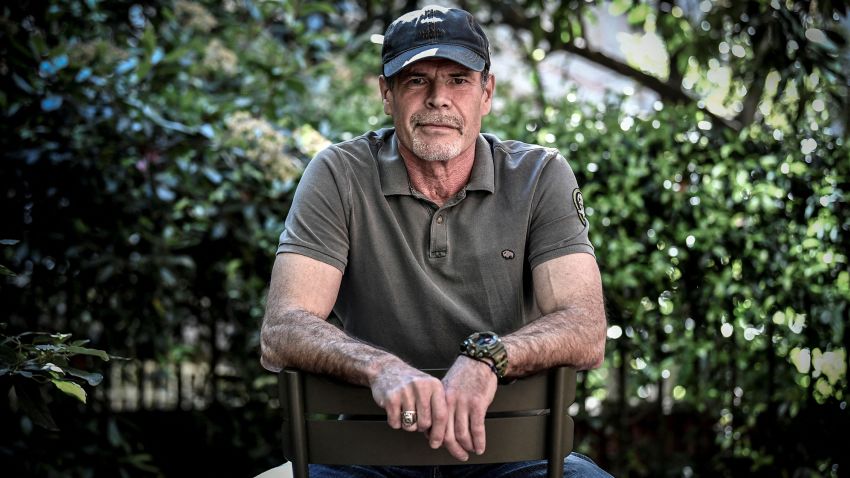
x=261, y=144
x=309, y=140
x=219, y=58
x=194, y=15
x=85, y=53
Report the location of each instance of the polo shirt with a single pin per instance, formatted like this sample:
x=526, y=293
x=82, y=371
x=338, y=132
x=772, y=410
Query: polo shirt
x=418, y=278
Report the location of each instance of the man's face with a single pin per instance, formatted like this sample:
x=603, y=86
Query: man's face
x=437, y=106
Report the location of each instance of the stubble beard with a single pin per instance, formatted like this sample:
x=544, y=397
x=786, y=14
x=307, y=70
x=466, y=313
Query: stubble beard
x=431, y=151
x=436, y=150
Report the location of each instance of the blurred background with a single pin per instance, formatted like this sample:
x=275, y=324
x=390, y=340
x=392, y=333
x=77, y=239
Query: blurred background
x=150, y=151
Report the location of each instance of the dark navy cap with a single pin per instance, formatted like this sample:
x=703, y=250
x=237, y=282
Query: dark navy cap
x=435, y=32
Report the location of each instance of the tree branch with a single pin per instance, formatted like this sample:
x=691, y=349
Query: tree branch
x=514, y=17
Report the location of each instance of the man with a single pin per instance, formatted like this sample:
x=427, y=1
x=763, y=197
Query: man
x=424, y=235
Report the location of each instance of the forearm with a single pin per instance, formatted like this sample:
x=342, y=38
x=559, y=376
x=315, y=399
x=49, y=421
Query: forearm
x=574, y=337
x=296, y=338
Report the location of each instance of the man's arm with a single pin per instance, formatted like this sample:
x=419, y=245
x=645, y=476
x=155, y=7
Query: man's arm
x=295, y=333
x=572, y=330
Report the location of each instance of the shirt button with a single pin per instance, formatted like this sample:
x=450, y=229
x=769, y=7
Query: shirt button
x=440, y=219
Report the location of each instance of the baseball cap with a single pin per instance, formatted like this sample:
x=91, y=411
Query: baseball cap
x=435, y=32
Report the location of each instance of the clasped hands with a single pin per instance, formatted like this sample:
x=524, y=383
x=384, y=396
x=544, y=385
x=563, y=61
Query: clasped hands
x=450, y=412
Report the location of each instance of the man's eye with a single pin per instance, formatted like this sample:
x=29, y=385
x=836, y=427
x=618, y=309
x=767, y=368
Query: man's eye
x=458, y=81
x=416, y=81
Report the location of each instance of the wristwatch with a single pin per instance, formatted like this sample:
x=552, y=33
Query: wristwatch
x=487, y=345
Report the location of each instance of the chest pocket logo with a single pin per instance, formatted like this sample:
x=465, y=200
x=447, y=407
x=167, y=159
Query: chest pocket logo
x=508, y=254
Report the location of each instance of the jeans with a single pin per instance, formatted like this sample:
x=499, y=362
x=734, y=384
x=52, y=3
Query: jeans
x=575, y=465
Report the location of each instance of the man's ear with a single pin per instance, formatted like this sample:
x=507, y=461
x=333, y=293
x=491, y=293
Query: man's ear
x=489, y=91
x=386, y=95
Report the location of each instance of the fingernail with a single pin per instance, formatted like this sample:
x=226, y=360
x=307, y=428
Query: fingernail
x=435, y=444
x=479, y=452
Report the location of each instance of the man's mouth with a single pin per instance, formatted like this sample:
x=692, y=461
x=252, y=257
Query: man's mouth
x=436, y=123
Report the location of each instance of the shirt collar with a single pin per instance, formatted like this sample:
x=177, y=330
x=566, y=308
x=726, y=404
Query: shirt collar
x=393, y=173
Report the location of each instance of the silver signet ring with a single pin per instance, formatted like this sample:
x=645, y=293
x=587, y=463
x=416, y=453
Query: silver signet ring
x=408, y=418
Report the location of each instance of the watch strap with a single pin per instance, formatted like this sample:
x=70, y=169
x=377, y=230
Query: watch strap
x=494, y=351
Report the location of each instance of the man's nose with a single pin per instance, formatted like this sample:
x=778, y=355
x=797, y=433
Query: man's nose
x=438, y=96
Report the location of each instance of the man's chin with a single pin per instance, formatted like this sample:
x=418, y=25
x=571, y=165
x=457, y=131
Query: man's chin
x=435, y=152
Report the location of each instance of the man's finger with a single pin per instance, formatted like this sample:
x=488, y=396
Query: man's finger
x=439, y=420
x=392, y=405
x=461, y=427
x=423, y=406
x=476, y=429
x=451, y=444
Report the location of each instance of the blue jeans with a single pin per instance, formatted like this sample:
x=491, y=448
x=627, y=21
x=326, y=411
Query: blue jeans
x=575, y=466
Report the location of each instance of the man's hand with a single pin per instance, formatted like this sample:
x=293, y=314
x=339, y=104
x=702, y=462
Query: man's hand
x=399, y=387
x=470, y=387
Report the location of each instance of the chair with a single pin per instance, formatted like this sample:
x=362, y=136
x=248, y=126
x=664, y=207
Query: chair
x=328, y=422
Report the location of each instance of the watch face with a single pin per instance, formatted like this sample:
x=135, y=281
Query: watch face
x=486, y=340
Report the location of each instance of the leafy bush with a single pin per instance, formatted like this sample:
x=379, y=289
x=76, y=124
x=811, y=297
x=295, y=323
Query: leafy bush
x=31, y=359
x=724, y=261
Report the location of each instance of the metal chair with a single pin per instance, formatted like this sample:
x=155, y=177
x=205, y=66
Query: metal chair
x=329, y=422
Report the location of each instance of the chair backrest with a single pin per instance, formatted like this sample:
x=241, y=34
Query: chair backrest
x=329, y=422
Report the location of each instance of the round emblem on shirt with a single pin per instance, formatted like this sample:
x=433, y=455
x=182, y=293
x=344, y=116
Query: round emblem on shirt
x=578, y=202
x=508, y=254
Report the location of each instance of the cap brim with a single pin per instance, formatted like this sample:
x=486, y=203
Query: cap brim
x=459, y=54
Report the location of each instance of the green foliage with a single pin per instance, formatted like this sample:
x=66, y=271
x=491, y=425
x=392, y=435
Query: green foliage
x=146, y=181
x=724, y=258
x=44, y=359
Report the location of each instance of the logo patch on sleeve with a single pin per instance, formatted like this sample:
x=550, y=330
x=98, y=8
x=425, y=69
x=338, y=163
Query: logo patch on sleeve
x=578, y=202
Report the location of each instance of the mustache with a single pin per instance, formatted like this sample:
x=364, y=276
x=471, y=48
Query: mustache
x=418, y=119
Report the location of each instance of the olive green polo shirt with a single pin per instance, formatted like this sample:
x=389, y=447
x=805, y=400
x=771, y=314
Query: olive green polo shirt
x=417, y=278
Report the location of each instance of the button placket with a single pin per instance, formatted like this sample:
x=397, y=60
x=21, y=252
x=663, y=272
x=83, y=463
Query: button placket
x=439, y=234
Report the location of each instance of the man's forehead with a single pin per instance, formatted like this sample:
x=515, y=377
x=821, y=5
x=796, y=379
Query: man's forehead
x=425, y=65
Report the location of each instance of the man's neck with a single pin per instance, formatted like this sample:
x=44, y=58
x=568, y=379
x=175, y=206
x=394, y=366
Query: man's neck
x=438, y=181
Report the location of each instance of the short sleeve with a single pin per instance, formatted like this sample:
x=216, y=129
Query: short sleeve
x=317, y=223
x=558, y=223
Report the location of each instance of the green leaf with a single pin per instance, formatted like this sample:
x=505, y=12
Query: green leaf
x=71, y=389
x=93, y=378
x=318, y=7
x=619, y=7
x=4, y=271
x=149, y=40
x=87, y=351
x=53, y=368
x=60, y=337
x=639, y=14
x=144, y=68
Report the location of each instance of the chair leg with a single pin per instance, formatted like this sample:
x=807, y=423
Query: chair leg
x=556, y=423
x=299, y=433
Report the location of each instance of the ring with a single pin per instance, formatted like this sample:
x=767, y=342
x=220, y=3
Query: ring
x=408, y=418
